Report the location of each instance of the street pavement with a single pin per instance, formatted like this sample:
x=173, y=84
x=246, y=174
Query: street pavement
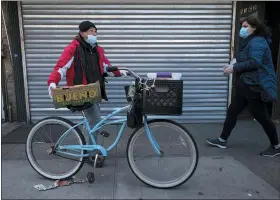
x=238, y=172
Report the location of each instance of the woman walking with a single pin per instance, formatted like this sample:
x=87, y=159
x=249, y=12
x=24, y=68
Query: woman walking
x=255, y=84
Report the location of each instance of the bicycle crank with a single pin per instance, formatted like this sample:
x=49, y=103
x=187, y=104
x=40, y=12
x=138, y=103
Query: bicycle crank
x=100, y=160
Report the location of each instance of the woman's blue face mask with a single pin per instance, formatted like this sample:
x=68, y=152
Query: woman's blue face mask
x=244, y=32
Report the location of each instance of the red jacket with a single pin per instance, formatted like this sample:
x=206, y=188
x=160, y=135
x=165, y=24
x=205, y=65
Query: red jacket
x=65, y=66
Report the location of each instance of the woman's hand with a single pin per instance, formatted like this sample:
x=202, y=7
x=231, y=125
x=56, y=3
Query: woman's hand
x=228, y=69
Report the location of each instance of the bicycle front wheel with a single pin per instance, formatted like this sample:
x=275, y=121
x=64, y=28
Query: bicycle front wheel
x=179, y=160
x=41, y=154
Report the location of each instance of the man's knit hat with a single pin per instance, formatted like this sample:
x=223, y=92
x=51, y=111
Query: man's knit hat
x=85, y=25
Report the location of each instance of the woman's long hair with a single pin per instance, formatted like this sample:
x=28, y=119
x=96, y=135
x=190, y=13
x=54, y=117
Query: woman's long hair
x=261, y=28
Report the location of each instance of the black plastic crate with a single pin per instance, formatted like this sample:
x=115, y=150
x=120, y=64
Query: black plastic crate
x=165, y=99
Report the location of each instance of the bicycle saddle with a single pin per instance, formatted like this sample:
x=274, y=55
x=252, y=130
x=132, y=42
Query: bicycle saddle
x=79, y=108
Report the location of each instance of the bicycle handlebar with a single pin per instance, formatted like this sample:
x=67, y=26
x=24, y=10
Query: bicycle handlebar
x=130, y=73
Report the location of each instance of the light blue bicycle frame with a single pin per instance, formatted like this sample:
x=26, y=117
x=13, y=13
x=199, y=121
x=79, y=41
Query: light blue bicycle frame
x=104, y=122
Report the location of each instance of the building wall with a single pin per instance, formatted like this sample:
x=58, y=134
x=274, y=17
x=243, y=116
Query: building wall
x=6, y=61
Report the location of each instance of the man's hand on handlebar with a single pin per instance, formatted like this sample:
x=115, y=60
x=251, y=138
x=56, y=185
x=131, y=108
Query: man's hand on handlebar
x=123, y=73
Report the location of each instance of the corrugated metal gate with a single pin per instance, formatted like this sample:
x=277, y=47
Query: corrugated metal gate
x=190, y=38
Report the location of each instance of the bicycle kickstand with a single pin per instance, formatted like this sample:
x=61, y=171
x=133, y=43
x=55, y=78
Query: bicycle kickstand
x=91, y=175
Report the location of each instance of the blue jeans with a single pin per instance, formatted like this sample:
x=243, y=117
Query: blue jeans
x=93, y=115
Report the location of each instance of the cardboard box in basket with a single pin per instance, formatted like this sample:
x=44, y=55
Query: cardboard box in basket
x=76, y=95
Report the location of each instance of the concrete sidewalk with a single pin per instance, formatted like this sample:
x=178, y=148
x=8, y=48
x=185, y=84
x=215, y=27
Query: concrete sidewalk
x=237, y=172
x=8, y=127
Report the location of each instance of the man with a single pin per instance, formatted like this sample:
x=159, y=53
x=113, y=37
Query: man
x=83, y=62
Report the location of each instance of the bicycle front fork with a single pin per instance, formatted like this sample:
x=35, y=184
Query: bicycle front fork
x=153, y=141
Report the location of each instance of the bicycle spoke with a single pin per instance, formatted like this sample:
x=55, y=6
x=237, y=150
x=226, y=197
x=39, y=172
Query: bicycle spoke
x=43, y=140
x=51, y=134
x=47, y=135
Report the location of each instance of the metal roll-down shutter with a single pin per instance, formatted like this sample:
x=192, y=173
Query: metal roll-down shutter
x=193, y=39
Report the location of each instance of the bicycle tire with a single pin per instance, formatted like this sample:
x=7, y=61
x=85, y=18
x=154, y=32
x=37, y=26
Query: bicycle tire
x=130, y=161
x=28, y=149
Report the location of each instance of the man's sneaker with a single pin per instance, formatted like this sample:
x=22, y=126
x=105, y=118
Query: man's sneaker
x=271, y=152
x=217, y=143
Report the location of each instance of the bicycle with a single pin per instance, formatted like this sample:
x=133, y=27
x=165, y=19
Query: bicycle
x=78, y=151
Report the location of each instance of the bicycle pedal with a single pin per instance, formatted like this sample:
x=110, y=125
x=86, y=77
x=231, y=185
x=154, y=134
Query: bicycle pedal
x=105, y=134
x=90, y=177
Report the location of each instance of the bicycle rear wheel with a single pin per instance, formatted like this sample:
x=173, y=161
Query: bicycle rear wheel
x=38, y=148
x=147, y=169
